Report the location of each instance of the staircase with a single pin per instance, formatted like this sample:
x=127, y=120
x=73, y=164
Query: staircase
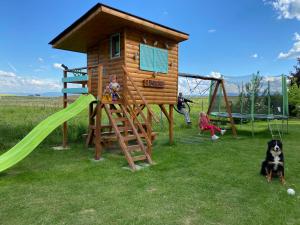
x=127, y=124
x=130, y=134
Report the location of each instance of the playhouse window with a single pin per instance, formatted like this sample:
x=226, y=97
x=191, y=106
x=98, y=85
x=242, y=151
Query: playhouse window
x=153, y=59
x=115, y=50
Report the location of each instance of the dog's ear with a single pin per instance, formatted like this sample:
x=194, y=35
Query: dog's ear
x=270, y=143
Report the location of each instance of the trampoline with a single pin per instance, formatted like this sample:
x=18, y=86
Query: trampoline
x=253, y=98
x=249, y=116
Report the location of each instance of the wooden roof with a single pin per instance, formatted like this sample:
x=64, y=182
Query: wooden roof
x=101, y=21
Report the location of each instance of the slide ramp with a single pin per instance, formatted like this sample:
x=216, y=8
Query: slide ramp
x=41, y=131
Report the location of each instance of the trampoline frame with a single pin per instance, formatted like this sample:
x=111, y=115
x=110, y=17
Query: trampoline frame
x=253, y=116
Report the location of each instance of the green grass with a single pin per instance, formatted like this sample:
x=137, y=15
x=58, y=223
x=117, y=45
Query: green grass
x=5, y=95
x=200, y=182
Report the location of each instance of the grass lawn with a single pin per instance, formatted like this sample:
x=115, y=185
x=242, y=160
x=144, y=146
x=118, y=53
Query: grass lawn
x=194, y=181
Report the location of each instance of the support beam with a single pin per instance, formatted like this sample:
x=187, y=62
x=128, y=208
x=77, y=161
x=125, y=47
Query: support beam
x=149, y=132
x=213, y=98
x=171, y=124
x=165, y=112
x=98, y=145
x=228, y=109
x=65, y=104
x=99, y=85
x=90, y=137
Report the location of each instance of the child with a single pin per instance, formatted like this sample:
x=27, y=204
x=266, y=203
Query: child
x=107, y=94
x=114, y=87
x=204, y=124
x=181, y=108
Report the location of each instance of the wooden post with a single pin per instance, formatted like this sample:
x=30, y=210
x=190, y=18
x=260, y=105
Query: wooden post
x=90, y=136
x=149, y=131
x=171, y=124
x=65, y=104
x=90, y=74
x=213, y=97
x=228, y=109
x=98, y=145
x=99, y=92
x=165, y=112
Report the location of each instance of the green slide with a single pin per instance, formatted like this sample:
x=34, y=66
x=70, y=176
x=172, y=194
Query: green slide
x=41, y=131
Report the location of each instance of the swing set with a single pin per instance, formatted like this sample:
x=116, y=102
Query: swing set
x=199, y=86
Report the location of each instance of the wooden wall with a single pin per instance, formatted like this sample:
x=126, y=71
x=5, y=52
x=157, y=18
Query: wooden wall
x=100, y=54
x=130, y=41
x=167, y=95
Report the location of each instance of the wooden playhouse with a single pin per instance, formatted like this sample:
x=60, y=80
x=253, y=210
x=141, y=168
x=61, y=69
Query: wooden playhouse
x=143, y=56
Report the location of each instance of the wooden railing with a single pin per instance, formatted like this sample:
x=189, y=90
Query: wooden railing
x=144, y=101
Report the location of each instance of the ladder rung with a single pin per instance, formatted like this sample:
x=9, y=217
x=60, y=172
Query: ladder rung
x=129, y=137
x=134, y=148
x=139, y=158
x=120, y=119
x=116, y=111
x=124, y=129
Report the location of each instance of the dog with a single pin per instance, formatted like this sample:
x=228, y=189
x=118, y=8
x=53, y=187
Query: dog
x=273, y=165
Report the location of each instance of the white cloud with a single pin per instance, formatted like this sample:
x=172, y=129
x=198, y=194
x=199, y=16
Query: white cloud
x=10, y=82
x=294, y=52
x=6, y=74
x=211, y=30
x=215, y=74
x=287, y=9
x=58, y=66
x=255, y=56
x=40, y=59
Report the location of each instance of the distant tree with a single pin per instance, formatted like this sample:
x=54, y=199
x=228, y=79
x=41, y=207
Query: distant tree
x=253, y=88
x=295, y=75
x=294, y=90
x=294, y=100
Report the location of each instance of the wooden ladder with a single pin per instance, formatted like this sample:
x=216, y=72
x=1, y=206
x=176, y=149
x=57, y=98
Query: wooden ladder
x=132, y=132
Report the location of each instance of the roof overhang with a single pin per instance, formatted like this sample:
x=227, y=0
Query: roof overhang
x=101, y=21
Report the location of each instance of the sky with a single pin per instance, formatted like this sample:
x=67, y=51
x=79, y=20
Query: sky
x=228, y=37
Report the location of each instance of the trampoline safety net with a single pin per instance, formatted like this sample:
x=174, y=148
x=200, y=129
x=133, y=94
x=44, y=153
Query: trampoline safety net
x=253, y=97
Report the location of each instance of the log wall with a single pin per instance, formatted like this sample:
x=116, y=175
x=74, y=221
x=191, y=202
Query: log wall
x=130, y=42
x=100, y=54
x=166, y=95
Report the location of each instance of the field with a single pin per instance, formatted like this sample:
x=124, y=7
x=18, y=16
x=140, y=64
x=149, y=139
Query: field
x=194, y=181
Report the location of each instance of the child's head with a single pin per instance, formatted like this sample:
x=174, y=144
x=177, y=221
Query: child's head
x=202, y=114
x=113, y=78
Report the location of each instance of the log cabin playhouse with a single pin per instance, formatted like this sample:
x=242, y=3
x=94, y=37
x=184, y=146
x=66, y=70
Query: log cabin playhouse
x=143, y=55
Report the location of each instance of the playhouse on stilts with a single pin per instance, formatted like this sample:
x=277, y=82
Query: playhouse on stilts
x=132, y=63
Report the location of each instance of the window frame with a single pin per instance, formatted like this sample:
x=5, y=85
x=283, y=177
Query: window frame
x=154, y=59
x=111, y=46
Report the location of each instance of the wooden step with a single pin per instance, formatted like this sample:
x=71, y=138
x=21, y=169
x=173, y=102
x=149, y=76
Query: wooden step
x=129, y=138
x=139, y=158
x=120, y=119
x=134, y=148
x=116, y=111
x=123, y=129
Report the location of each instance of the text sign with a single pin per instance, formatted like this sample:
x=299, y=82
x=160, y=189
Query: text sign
x=154, y=83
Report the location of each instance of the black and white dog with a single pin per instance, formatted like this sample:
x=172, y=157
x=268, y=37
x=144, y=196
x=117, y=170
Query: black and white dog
x=274, y=161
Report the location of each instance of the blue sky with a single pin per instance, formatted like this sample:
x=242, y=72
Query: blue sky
x=226, y=36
